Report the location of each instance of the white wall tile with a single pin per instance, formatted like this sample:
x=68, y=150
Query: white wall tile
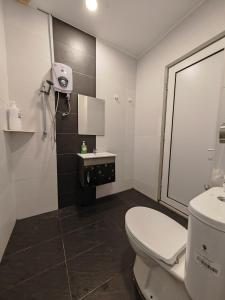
x=37, y=156
x=35, y=196
x=33, y=157
x=26, y=19
x=28, y=66
x=116, y=75
x=7, y=204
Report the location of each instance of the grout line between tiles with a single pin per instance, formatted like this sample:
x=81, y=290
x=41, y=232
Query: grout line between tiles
x=83, y=252
x=82, y=227
x=96, y=288
x=103, y=283
x=30, y=278
x=67, y=272
x=31, y=247
x=83, y=74
x=64, y=252
x=108, y=280
x=61, y=217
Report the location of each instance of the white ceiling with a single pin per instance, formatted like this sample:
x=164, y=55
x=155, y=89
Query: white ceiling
x=134, y=26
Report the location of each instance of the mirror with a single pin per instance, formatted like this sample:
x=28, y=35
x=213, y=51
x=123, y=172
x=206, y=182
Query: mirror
x=91, y=115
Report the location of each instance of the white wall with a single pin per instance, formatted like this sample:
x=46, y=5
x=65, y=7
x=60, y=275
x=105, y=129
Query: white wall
x=7, y=204
x=116, y=75
x=206, y=22
x=33, y=158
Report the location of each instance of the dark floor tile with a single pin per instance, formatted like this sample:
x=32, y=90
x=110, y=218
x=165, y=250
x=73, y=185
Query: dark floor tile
x=90, y=236
x=110, y=202
x=133, y=198
x=32, y=231
x=96, y=246
x=50, y=285
x=74, y=217
x=68, y=211
x=77, y=195
x=93, y=268
x=122, y=249
x=118, y=217
x=80, y=220
x=120, y=287
x=21, y=266
x=100, y=205
x=75, y=209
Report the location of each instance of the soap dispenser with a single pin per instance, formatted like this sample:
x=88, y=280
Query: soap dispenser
x=83, y=148
x=14, y=117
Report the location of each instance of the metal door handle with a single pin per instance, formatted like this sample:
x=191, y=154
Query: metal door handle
x=88, y=177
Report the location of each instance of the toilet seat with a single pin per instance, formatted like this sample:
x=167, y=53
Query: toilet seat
x=158, y=235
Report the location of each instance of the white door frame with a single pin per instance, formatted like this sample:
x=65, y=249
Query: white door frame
x=207, y=49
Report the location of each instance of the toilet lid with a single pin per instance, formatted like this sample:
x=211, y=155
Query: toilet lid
x=163, y=237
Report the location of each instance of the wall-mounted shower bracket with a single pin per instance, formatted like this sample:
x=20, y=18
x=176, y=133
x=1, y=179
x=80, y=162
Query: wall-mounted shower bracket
x=45, y=92
x=43, y=87
x=222, y=133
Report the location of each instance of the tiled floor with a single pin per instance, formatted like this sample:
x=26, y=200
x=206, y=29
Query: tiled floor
x=74, y=253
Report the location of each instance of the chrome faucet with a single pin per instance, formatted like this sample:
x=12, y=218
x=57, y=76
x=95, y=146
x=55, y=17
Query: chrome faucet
x=95, y=150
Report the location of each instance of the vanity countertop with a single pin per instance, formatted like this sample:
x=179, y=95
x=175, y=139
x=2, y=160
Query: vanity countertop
x=96, y=155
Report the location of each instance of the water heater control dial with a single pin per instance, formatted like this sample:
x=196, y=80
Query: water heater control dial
x=62, y=78
x=63, y=81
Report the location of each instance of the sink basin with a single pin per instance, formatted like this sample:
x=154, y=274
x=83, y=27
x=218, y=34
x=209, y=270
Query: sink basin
x=96, y=155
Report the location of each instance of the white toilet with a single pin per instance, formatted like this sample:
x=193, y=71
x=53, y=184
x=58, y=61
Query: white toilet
x=173, y=263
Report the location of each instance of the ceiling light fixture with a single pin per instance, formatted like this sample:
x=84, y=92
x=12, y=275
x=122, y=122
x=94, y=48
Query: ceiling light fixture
x=92, y=5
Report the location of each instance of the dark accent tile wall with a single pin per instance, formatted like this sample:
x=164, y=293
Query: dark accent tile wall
x=78, y=50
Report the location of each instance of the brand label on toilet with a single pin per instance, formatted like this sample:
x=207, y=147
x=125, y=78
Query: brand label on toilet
x=208, y=264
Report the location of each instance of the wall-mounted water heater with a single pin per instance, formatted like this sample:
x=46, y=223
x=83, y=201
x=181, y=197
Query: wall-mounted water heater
x=62, y=82
x=62, y=76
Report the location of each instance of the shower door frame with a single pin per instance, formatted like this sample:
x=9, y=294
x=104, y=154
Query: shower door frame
x=180, y=207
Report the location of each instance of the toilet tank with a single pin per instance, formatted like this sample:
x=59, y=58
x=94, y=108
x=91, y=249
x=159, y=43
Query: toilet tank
x=205, y=252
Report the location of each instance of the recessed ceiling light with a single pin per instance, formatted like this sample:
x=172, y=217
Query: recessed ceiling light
x=92, y=5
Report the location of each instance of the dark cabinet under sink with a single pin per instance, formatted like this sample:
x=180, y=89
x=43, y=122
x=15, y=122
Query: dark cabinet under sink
x=98, y=174
x=96, y=171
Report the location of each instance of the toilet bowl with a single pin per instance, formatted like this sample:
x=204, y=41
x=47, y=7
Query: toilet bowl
x=159, y=243
x=174, y=263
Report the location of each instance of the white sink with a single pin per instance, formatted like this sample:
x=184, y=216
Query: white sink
x=96, y=155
